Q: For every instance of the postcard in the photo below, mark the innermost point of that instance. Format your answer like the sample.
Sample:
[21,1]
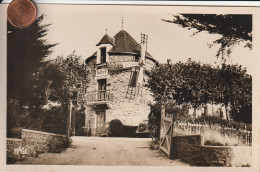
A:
[130,87]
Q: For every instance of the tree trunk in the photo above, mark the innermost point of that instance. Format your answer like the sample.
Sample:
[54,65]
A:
[227,113]
[73,130]
[195,113]
[206,110]
[68,128]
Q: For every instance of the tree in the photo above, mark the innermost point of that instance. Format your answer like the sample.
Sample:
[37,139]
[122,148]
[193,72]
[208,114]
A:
[75,83]
[235,90]
[59,86]
[26,51]
[198,84]
[234,29]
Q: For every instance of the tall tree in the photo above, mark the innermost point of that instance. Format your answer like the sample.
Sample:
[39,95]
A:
[26,50]
[234,29]
[235,90]
[75,83]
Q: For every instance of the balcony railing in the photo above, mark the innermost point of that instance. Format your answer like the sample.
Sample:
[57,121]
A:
[99,97]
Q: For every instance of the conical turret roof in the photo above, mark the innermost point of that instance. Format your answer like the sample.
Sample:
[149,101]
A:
[123,43]
[106,39]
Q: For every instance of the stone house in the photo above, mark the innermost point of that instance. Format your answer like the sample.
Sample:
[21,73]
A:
[119,69]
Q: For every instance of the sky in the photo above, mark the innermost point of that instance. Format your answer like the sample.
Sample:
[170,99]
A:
[80,28]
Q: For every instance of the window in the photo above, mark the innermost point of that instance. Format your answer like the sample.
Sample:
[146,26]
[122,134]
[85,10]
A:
[103,55]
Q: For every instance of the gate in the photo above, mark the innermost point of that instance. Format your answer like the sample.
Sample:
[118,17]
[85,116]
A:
[166,130]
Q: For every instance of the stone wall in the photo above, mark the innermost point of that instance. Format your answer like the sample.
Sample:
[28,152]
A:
[191,149]
[32,143]
[42,141]
[12,147]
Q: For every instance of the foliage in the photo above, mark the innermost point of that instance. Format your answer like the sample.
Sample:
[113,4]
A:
[76,77]
[233,28]
[212,120]
[215,138]
[26,51]
[235,90]
[197,84]
[78,121]
[116,128]
[60,80]
[154,118]
[54,83]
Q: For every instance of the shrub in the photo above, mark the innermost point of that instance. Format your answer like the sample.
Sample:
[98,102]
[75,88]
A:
[214,137]
[179,113]
[116,128]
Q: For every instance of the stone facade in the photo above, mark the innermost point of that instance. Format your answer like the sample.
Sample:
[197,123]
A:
[129,111]
[217,110]
[32,143]
[191,149]
[109,95]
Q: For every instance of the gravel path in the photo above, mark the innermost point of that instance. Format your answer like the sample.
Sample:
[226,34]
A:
[106,151]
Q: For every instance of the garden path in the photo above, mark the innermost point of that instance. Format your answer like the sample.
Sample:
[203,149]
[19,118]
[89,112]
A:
[106,151]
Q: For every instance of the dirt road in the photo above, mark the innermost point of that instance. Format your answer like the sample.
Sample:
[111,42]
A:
[106,151]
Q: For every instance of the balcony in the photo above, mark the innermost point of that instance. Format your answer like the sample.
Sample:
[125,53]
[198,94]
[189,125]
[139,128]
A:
[99,97]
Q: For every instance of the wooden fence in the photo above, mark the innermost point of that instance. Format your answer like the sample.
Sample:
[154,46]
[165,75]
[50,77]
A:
[243,137]
[213,134]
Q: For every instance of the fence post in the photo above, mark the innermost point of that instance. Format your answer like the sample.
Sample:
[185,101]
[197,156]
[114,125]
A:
[171,139]
[162,117]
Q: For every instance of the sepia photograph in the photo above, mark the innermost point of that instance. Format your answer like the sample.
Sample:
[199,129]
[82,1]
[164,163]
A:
[118,85]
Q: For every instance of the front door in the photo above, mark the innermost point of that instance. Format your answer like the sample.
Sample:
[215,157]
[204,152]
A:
[100,127]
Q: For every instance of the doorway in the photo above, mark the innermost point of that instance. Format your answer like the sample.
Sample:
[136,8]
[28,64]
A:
[100,122]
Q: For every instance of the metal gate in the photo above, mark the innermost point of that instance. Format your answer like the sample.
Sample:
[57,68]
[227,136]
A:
[166,130]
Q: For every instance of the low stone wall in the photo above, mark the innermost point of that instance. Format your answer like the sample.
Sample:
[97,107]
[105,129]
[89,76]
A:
[191,149]
[32,143]
[12,147]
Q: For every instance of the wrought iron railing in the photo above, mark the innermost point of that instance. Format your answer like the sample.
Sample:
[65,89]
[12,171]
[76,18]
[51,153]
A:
[99,96]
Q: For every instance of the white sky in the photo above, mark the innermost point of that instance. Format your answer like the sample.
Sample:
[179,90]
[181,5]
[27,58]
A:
[80,28]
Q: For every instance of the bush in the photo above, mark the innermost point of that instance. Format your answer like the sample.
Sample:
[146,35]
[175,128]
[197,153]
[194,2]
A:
[214,137]
[116,128]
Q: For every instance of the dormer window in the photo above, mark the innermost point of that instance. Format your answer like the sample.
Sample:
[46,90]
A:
[103,55]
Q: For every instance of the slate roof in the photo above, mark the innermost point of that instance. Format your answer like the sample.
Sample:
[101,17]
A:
[122,44]
[106,40]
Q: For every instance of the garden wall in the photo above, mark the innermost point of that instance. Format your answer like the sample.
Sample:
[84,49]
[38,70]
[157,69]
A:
[32,143]
[191,149]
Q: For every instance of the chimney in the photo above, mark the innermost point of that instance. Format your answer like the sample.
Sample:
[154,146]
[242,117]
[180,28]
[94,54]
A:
[144,39]
[142,59]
